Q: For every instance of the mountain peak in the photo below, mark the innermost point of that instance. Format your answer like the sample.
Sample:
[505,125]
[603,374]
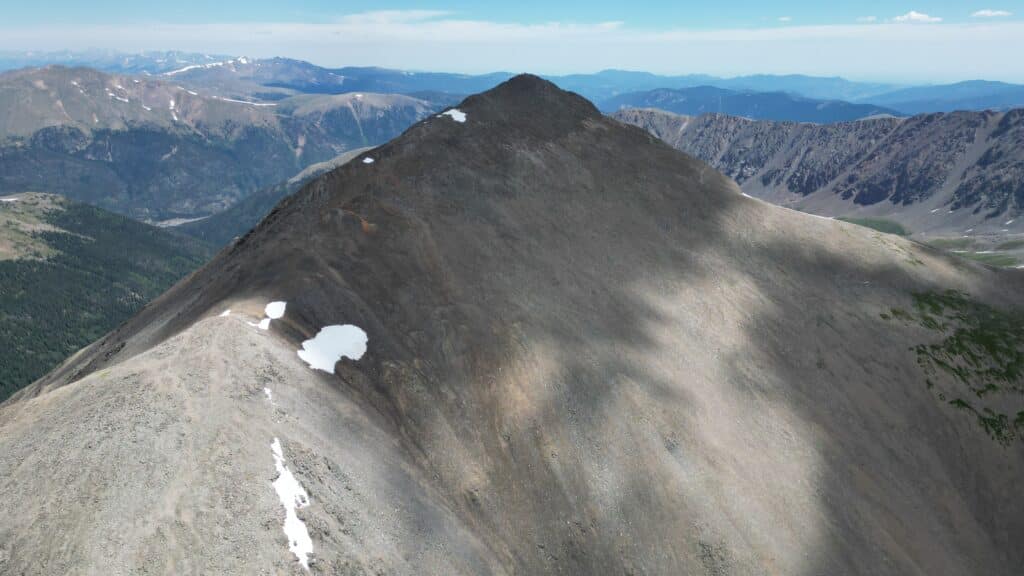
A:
[529,99]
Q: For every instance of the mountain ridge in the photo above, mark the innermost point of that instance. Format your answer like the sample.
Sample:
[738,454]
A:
[156,150]
[936,173]
[585,352]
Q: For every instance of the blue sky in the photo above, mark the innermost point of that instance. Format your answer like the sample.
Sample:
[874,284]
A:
[913,41]
[661,14]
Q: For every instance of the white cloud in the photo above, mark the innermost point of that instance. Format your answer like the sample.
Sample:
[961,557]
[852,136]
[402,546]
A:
[426,40]
[917,17]
[785,18]
[987,13]
[867,19]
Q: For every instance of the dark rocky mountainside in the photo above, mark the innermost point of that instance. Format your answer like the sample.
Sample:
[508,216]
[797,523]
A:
[755,105]
[530,339]
[154,150]
[954,173]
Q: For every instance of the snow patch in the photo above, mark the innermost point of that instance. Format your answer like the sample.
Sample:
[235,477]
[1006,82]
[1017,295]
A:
[268,394]
[222,99]
[331,344]
[9,199]
[1008,222]
[367,160]
[292,497]
[454,114]
[225,313]
[275,310]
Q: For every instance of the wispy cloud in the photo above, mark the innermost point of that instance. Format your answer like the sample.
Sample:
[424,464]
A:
[866,19]
[988,13]
[785,18]
[917,17]
[433,40]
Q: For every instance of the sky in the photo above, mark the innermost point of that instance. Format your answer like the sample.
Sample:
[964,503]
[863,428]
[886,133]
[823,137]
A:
[892,41]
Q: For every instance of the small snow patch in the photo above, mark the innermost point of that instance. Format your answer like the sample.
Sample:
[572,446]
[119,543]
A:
[1008,222]
[222,99]
[454,114]
[275,310]
[225,313]
[331,344]
[936,210]
[262,324]
[9,199]
[367,160]
[268,394]
[292,497]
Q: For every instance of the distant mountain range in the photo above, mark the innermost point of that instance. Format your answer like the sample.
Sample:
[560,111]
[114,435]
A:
[154,149]
[957,173]
[108,60]
[274,78]
[756,105]
[973,95]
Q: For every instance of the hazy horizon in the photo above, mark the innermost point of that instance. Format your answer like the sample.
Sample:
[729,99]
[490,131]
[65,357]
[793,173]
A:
[920,43]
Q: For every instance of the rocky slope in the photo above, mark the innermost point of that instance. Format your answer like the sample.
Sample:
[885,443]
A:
[957,173]
[154,150]
[545,342]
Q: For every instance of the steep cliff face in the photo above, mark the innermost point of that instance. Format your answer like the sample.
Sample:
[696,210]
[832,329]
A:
[524,338]
[935,172]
